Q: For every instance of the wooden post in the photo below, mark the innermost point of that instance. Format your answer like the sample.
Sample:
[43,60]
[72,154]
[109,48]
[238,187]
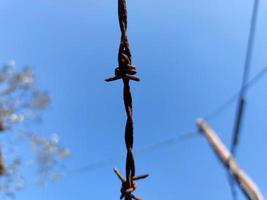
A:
[249,188]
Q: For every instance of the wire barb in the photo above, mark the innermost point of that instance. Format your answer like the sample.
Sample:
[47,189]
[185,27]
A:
[126,189]
[126,71]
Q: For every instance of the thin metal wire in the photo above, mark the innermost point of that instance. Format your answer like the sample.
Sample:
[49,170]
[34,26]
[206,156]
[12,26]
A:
[126,71]
[242,97]
[243,90]
[145,150]
[232,99]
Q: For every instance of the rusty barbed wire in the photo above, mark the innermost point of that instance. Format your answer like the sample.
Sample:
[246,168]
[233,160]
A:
[126,71]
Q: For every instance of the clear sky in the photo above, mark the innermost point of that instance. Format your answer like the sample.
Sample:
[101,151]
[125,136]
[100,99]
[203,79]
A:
[190,57]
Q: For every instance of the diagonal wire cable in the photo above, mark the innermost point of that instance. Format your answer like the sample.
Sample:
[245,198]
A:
[247,68]
[235,96]
[145,150]
[242,96]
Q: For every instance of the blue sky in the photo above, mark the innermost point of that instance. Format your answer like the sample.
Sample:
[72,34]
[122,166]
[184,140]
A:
[190,56]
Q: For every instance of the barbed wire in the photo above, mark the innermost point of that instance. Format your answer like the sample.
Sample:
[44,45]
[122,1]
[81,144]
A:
[126,71]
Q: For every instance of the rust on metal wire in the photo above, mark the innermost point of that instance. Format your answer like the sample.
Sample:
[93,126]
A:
[126,71]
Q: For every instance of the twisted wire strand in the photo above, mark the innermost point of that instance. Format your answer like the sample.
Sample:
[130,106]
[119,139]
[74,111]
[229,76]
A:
[126,72]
